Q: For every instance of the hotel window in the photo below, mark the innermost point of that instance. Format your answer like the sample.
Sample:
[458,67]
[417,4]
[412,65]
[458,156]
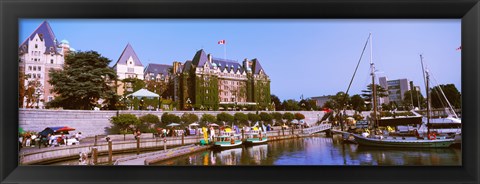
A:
[36,46]
[50,98]
[34,68]
[39,68]
[29,68]
[39,76]
[51,61]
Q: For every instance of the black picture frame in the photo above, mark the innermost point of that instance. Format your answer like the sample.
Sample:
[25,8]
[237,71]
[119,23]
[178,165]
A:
[11,11]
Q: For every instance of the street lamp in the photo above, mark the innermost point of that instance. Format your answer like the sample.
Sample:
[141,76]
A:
[234,103]
[188,102]
[38,97]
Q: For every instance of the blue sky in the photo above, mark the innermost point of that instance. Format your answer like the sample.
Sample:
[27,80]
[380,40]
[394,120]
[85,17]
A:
[312,57]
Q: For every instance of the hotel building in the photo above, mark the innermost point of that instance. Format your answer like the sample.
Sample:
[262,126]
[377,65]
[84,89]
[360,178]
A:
[39,53]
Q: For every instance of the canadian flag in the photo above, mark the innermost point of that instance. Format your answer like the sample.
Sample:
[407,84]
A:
[221,42]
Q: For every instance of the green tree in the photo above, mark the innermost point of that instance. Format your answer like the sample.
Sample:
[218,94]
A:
[85,78]
[125,123]
[278,117]
[253,117]
[276,100]
[450,91]
[241,118]
[207,118]
[189,118]
[367,94]
[299,116]
[413,96]
[357,102]
[340,100]
[150,119]
[266,117]
[225,117]
[169,118]
[288,117]
[291,105]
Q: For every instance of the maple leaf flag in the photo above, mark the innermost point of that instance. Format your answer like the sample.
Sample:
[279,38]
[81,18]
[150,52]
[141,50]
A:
[221,42]
[459,48]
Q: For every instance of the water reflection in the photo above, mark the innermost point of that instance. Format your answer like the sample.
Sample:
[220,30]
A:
[319,150]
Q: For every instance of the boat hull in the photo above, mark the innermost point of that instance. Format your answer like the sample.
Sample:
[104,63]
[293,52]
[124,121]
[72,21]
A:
[227,144]
[444,143]
[255,141]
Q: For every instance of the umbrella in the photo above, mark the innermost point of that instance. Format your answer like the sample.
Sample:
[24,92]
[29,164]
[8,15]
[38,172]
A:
[212,124]
[20,130]
[194,124]
[173,124]
[52,130]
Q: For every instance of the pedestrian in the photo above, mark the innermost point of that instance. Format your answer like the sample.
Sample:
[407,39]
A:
[78,136]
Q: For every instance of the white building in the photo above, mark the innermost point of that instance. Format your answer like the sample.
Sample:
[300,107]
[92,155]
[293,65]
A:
[128,66]
[39,53]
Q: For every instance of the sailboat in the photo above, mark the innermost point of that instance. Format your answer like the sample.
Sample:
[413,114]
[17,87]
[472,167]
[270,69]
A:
[394,141]
[450,126]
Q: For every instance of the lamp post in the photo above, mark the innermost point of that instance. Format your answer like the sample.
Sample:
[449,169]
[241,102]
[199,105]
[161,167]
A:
[188,102]
[234,103]
[38,92]
[273,106]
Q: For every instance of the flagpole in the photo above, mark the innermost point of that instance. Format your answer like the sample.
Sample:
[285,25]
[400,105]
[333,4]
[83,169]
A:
[225,51]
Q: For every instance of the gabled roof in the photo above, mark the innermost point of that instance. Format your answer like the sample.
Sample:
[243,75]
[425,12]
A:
[187,66]
[223,63]
[157,69]
[127,52]
[200,58]
[45,33]
[257,67]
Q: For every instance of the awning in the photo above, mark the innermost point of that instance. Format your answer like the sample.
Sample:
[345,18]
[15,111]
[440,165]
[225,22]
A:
[144,93]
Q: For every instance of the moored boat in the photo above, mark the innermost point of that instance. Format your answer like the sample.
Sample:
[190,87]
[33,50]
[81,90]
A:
[227,140]
[403,142]
[255,137]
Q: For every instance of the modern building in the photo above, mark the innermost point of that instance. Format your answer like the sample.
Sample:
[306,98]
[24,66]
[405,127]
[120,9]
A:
[396,89]
[39,53]
[212,83]
[127,66]
[321,100]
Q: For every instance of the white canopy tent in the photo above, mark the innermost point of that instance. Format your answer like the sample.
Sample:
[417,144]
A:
[143,93]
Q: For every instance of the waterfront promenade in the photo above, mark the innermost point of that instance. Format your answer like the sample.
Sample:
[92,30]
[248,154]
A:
[34,155]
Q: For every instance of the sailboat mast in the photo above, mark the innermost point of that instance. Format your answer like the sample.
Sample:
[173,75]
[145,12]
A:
[374,88]
[426,78]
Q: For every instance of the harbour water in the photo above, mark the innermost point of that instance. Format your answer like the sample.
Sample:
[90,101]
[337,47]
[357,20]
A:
[320,150]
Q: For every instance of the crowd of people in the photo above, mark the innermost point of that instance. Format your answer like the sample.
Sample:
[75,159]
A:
[31,140]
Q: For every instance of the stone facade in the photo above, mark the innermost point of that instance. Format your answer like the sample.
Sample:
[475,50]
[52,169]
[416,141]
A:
[92,123]
[39,53]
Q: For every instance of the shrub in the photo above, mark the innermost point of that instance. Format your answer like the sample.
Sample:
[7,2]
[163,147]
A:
[265,117]
[225,117]
[169,118]
[150,119]
[207,118]
[124,123]
[299,116]
[189,118]
[288,116]
[241,118]
[253,117]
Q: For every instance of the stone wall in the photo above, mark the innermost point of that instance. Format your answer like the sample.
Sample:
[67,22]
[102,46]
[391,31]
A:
[92,123]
